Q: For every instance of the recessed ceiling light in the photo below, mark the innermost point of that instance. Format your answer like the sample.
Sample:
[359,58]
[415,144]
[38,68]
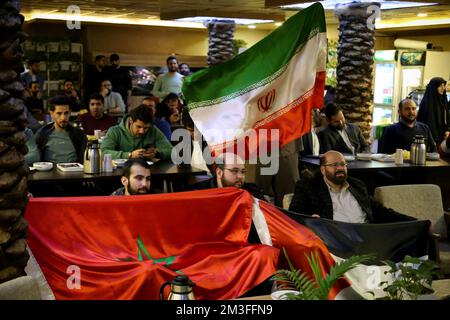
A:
[330,4]
[422,15]
[278,23]
[252,27]
[236,20]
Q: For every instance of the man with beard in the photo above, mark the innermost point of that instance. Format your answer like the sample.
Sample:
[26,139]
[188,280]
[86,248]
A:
[136,178]
[229,171]
[401,135]
[34,100]
[96,119]
[340,135]
[137,137]
[59,141]
[171,81]
[335,196]
[70,92]
[112,100]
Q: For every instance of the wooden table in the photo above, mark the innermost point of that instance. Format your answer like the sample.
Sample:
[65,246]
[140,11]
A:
[164,170]
[433,172]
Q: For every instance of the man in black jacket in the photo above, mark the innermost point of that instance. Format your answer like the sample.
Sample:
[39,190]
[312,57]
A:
[339,135]
[59,141]
[333,195]
[401,135]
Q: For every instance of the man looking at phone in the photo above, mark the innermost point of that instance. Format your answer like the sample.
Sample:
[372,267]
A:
[136,137]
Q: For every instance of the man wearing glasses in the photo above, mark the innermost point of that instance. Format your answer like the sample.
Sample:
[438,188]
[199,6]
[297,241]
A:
[229,171]
[334,195]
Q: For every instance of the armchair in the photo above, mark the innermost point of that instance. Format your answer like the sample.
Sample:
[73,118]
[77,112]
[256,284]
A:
[422,201]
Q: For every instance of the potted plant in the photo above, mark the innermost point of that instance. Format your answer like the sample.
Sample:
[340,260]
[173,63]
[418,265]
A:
[412,279]
[319,287]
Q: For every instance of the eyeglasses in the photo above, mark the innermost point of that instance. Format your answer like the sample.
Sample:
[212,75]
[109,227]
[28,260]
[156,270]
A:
[336,164]
[236,171]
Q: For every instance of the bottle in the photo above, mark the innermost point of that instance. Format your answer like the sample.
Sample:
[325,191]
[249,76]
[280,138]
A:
[418,151]
[180,289]
[92,157]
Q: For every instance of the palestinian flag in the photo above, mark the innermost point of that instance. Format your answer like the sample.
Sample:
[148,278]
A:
[388,241]
[127,247]
[272,85]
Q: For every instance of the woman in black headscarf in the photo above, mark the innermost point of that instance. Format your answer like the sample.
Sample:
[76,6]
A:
[433,109]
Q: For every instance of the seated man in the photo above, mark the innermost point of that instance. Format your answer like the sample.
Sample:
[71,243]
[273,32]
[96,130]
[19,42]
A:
[334,196]
[59,141]
[34,100]
[95,119]
[401,135]
[136,178]
[160,123]
[112,100]
[70,92]
[339,135]
[136,137]
[229,171]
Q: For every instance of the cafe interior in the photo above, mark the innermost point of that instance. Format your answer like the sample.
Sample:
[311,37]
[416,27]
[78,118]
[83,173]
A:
[99,238]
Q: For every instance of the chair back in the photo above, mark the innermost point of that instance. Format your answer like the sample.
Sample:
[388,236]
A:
[421,201]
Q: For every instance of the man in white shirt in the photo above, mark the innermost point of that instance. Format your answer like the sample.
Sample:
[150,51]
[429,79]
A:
[171,81]
[334,195]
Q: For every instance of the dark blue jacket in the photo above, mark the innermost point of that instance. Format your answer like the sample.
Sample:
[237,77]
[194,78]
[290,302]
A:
[400,136]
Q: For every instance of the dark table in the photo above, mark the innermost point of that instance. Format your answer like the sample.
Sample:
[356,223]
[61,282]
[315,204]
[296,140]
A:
[372,173]
[161,170]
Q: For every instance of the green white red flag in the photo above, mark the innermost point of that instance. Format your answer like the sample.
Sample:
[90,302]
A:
[272,85]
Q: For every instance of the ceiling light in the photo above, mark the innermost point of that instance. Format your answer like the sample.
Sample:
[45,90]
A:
[330,4]
[107,19]
[236,20]
[422,15]
[252,27]
[278,23]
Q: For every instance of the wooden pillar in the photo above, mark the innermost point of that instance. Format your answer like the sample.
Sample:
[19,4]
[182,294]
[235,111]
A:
[13,170]
[220,43]
[355,62]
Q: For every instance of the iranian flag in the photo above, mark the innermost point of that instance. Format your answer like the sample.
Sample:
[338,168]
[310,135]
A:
[273,85]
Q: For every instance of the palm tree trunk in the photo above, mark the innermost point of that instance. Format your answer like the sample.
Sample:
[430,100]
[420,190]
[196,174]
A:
[13,171]
[355,64]
[220,43]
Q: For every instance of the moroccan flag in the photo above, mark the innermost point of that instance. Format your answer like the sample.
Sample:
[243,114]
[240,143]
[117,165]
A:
[127,247]
[272,85]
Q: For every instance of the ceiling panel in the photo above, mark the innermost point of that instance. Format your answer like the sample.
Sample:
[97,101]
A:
[171,9]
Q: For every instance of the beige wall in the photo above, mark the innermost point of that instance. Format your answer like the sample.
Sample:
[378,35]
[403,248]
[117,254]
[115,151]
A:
[438,41]
[151,45]
[140,44]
